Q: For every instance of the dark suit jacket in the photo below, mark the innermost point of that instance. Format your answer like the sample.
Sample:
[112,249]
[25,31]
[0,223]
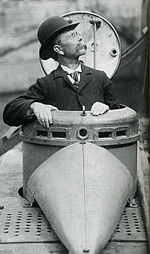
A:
[56,89]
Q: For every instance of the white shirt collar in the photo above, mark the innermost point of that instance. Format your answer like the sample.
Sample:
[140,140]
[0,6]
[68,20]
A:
[69,71]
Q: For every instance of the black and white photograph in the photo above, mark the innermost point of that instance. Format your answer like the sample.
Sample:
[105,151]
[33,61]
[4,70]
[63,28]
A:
[74,127]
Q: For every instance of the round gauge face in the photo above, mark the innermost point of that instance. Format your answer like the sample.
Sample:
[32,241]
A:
[101,38]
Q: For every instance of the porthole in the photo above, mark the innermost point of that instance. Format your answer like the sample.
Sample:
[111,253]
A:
[83,133]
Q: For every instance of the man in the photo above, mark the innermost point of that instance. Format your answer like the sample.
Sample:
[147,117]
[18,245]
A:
[62,89]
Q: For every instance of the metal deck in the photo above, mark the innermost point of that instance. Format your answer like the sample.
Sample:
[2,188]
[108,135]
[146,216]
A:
[21,224]
[25,230]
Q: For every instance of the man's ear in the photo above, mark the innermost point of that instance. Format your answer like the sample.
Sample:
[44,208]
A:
[58,49]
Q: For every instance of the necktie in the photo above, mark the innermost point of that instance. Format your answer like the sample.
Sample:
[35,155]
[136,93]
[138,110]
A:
[75,76]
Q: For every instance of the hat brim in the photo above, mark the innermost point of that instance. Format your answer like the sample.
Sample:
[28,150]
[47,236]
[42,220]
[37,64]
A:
[47,47]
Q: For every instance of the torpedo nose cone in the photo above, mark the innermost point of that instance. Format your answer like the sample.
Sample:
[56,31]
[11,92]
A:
[82,190]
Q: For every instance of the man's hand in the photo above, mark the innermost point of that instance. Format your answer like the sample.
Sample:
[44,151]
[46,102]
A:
[43,113]
[99,108]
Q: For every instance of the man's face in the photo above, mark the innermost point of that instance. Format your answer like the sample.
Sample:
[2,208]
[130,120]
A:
[72,44]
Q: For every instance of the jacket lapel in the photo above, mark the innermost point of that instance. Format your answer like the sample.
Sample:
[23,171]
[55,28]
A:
[60,73]
[86,76]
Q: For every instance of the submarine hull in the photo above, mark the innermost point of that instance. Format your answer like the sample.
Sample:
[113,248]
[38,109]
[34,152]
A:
[82,190]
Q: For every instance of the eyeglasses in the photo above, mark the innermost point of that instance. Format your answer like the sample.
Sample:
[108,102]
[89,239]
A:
[74,34]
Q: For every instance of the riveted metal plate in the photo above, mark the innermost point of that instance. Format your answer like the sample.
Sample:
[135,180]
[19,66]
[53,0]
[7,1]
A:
[20,222]
[131,226]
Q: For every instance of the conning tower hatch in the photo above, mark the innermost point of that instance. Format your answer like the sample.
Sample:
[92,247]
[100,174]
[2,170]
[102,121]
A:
[103,44]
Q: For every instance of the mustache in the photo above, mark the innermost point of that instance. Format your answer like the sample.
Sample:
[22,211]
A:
[80,46]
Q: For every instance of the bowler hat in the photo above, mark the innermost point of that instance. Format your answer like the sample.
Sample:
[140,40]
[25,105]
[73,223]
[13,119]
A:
[48,31]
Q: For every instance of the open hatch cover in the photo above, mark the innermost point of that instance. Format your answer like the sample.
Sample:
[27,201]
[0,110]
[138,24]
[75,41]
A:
[101,38]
